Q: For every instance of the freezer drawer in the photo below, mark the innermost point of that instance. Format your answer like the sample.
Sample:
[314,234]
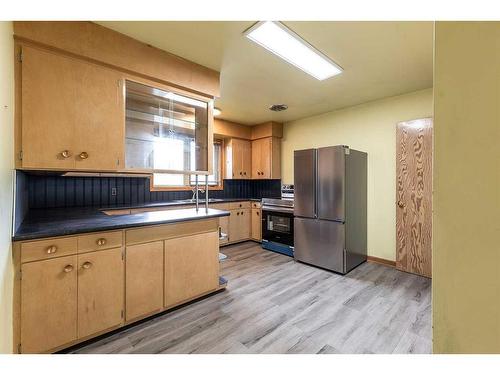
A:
[320,243]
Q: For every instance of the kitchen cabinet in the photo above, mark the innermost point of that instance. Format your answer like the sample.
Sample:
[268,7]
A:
[71,288]
[256,232]
[100,291]
[72,113]
[49,304]
[266,158]
[239,224]
[238,159]
[191,267]
[144,279]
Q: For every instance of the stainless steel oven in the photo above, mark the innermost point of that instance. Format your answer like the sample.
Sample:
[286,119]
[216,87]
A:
[277,225]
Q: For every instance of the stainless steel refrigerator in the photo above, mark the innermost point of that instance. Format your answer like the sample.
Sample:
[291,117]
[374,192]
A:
[330,207]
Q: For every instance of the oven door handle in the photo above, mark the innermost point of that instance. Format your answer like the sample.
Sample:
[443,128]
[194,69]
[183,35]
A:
[278,209]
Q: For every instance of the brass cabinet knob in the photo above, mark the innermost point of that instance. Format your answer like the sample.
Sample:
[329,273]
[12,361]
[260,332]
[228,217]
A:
[68,268]
[401,204]
[65,154]
[242,213]
[51,249]
[237,213]
[86,265]
[83,155]
[241,173]
[101,241]
[258,213]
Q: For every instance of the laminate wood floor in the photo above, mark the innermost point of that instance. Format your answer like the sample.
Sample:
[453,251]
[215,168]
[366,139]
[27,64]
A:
[275,305]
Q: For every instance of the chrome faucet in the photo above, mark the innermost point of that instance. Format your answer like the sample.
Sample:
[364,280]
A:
[202,191]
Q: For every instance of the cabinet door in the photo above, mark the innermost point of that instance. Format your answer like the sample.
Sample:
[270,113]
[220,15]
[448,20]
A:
[48,110]
[245,223]
[72,113]
[191,267]
[234,226]
[256,159]
[100,291]
[144,279]
[246,159]
[99,141]
[49,304]
[256,224]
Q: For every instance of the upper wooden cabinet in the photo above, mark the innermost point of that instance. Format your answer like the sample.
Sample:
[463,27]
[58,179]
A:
[71,113]
[266,158]
[238,159]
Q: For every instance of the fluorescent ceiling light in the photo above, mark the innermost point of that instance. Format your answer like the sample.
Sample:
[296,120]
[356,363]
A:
[277,38]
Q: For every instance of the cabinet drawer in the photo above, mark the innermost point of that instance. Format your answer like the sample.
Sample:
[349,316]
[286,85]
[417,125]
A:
[99,241]
[238,205]
[46,249]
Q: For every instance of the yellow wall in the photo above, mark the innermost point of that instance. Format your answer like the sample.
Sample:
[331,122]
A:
[6,167]
[369,127]
[466,217]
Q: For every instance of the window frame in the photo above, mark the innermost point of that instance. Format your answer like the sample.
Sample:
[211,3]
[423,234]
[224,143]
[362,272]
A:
[221,169]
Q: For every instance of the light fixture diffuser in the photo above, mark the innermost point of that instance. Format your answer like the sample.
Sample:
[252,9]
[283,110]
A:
[283,42]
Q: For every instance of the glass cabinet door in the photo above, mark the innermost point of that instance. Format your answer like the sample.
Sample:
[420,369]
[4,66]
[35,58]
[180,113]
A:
[165,131]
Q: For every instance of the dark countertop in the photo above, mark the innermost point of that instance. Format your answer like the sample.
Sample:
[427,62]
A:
[61,222]
[180,203]
[42,223]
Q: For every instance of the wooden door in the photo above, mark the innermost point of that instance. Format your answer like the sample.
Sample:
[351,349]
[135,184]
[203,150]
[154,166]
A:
[414,196]
[256,224]
[99,118]
[72,113]
[256,159]
[191,267]
[234,226]
[143,280]
[101,288]
[48,110]
[246,159]
[49,304]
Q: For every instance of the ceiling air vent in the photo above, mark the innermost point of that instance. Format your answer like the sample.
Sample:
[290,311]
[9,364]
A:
[278,107]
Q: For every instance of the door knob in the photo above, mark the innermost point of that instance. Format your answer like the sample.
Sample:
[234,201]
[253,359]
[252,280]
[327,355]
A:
[86,265]
[101,241]
[51,249]
[401,204]
[83,155]
[68,268]
[65,154]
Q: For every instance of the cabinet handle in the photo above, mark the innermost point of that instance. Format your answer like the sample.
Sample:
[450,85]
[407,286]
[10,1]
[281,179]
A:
[241,173]
[83,155]
[101,241]
[86,265]
[257,213]
[68,268]
[237,213]
[242,213]
[51,249]
[65,154]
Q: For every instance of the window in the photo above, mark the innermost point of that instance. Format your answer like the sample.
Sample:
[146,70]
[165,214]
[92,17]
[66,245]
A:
[176,152]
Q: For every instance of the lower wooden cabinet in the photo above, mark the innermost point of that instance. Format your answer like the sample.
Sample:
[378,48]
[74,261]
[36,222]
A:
[239,224]
[100,291]
[66,299]
[144,279]
[191,267]
[256,224]
[49,304]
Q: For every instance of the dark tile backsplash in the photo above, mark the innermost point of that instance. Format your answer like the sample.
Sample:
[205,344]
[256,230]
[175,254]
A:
[46,191]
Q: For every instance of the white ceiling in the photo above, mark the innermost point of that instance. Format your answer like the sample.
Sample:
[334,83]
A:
[380,59]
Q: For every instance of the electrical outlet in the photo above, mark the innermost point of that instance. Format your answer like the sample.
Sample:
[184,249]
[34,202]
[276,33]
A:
[113,191]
